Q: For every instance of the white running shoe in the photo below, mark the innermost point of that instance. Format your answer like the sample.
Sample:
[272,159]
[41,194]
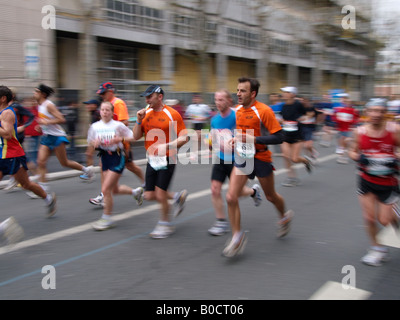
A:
[180,202]
[97,201]
[235,248]
[12,231]
[52,207]
[139,196]
[291,182]
[284,224]
[219,228]
[11,185]
[162,231]
[257,197]
[103,224]
[375,257]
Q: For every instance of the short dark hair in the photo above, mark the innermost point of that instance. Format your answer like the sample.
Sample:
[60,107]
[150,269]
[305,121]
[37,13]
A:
[254,83]
[6,91]
[46,90]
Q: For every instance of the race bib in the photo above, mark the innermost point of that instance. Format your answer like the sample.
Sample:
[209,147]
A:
[380,164]
[158,163]
[344,117]
[245,150]
[290,126]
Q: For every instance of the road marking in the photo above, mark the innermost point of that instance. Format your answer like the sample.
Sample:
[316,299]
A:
[120,217]
[335,291]
[388,237]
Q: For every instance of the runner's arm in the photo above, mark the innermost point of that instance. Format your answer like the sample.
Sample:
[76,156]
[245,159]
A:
[275,138]
[7,120]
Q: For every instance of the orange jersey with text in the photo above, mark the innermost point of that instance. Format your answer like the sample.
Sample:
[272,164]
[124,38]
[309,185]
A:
[162,127]
[262,120]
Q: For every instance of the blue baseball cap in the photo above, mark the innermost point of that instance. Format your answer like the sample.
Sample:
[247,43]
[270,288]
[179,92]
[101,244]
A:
[151,89]
[105,86]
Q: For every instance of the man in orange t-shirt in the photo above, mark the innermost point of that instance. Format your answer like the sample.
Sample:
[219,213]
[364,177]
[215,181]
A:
[157,123]
[257,127]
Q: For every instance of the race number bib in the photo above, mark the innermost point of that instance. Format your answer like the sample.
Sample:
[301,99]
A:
[344,117]
[245,150]
[158,163]
[380,164]
[290,126]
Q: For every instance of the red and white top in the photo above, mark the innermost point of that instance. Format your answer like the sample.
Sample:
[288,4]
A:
[380,153]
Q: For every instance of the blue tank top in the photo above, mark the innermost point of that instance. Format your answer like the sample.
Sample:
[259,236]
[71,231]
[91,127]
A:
[220,123]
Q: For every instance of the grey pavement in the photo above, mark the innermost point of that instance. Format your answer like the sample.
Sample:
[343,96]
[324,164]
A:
[125,263]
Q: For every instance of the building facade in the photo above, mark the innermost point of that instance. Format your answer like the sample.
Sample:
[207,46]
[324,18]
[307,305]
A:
[187,46]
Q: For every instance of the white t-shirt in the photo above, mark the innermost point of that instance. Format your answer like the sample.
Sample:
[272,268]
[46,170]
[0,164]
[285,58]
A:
[106,131]
[199,113]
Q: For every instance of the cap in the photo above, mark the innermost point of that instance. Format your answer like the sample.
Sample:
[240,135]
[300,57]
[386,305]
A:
[289,89]
[92,101]
[45,89]
[151,89]
[376,102]
[105,86]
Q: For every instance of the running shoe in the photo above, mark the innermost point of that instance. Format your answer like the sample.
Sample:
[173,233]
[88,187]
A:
[308,164]
[139,196]
[180,203]
[52,207]
[257,196]
[235,248]
[11,185]
[12,231]
[98,201]
[162,231]
[103,224]
[219,228]
[284,224]
[291,182]
[89,176]
[375,257]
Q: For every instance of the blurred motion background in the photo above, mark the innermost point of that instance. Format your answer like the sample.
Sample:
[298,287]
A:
[197,46]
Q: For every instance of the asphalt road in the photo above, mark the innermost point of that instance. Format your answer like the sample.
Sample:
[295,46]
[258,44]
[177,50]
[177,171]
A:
[315,261]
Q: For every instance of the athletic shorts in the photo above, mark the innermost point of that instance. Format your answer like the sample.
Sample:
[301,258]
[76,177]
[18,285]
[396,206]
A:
[292,137]
[255,168]
[53,142]
[307,133]
[159,178]
[221,171]
[114,162]
[385,194]
[11,166]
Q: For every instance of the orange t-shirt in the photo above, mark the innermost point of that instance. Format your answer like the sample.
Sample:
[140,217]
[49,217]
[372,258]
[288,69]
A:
[262,120]
[158,126]
[120,109]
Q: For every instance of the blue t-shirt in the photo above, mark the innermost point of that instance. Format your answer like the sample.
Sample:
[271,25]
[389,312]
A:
[276,108]
[220,126]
